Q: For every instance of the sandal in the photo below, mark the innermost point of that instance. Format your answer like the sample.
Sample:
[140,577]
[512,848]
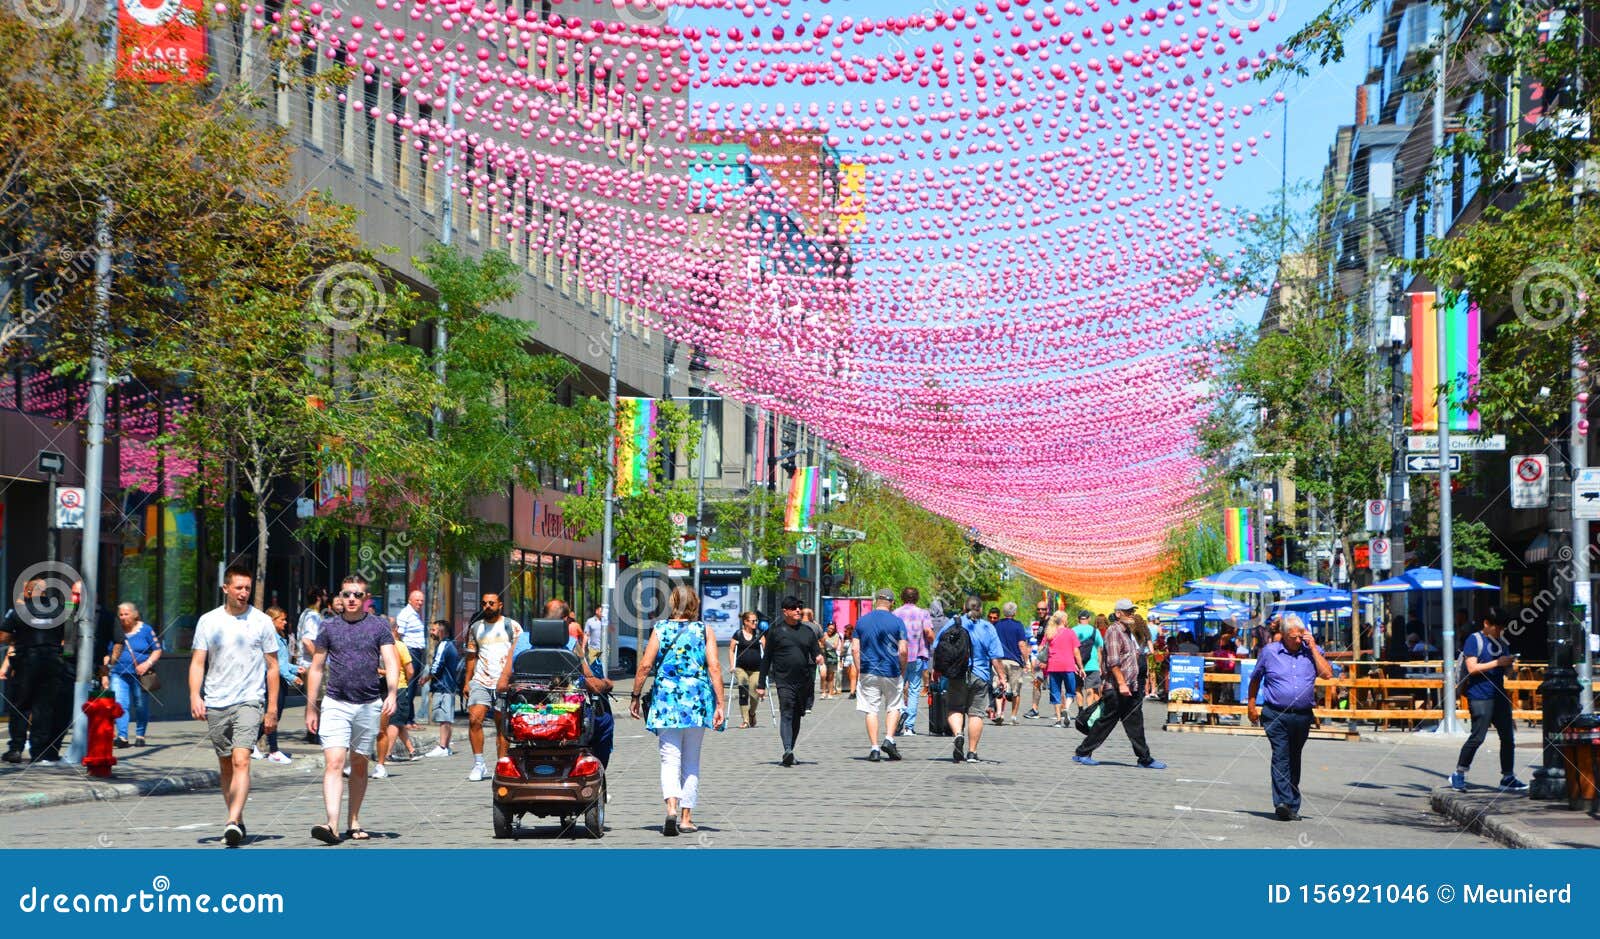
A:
[744,725]
[358,834]
[688,828]
[669,828]
[324,834]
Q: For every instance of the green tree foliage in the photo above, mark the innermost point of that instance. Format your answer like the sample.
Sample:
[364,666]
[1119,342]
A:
[644,529]
[501,420]
[906,545]
[1192,551]
[1473,548]
[753,525]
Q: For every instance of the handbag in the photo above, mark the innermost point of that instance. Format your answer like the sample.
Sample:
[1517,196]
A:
[649,696]
[149,681]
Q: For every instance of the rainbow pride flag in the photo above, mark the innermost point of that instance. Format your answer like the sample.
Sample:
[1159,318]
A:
[1238,536]
[801,512]
[1460,341]
[636,431]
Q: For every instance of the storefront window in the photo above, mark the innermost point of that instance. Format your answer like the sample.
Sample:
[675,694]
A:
[160,558]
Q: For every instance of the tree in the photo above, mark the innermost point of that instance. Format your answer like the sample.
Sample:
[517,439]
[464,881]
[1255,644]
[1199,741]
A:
[1192,551]
[906,545]
[754,523]
[500,421]
[644,529]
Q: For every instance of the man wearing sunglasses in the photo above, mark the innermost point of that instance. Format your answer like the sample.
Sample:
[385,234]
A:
[489,644]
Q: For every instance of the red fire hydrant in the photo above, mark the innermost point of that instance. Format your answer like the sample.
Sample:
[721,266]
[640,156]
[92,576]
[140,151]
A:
[103,711]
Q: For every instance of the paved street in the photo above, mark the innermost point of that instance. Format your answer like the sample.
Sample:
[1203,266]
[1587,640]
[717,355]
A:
[1370,794]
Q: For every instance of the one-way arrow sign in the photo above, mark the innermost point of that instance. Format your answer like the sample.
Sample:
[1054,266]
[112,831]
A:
[1429,462]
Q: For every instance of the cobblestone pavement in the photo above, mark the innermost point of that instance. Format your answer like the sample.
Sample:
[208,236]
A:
[1028,793]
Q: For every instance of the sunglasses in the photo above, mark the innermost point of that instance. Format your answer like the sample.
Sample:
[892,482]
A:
[352,594]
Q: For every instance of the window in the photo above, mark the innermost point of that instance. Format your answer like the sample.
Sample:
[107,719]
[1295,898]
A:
[399,169]
[371,155]
[430,181]
[315,129]
[345,111]
[711,445]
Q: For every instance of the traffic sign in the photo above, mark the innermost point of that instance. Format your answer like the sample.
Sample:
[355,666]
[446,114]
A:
[1458,442]
[1586,495]
[841,533]
[69,507]
[1530,481]
[1429,463]
[1377,515]
[807,545]
[52,463]
[1378,554]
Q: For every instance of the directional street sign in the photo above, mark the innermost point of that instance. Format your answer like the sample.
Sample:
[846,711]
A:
[1459,443]
[52,463]
[1586,495]
[841,533]
[1530,481]
[1429,463]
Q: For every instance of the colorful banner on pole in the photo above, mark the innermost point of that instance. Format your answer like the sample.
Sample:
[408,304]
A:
[802,510]
[1238,535]
[1460,343]
[636,432]
[161,41]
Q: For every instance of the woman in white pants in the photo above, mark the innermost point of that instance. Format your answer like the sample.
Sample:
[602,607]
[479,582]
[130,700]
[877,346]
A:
[686,698]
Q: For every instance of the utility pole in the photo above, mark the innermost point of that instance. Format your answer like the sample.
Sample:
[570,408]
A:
[95,449]
[441,334]
[1441,227]
[608,562]
[816,560]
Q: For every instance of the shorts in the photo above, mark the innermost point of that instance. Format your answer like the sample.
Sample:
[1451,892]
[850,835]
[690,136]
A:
[347,726]
[1015,675]
[968,696]
[1063,685]
[481,696]
[403,708]
[443,707]
[1091,681]
[234,727]
[876,693]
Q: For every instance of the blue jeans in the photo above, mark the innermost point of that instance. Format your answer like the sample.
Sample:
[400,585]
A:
[135,703]
[1287,730]
[914,670]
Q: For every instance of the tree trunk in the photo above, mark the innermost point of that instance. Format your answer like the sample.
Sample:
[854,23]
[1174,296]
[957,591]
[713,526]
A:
[261,548]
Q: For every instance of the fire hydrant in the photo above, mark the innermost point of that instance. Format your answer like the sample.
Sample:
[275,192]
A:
[103,711]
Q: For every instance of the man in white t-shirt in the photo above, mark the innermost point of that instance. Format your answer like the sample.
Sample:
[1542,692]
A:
[414,635]
[489,644]
[235,650]
[594,632]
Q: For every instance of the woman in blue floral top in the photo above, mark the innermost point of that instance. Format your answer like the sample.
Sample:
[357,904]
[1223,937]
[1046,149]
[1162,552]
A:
[686,698]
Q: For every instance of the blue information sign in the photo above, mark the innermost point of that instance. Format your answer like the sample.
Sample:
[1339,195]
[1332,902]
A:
[1187,671]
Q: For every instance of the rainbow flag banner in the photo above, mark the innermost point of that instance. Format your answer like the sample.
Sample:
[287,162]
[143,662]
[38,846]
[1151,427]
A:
[636,431]
[802,509]
[1238,536]
[1460,343]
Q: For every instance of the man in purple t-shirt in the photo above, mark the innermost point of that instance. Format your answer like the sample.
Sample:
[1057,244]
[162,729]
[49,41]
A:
[354,653]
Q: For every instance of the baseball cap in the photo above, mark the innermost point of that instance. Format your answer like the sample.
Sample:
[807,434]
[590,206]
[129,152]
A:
[1124,604]
[1083,614]
[884,594]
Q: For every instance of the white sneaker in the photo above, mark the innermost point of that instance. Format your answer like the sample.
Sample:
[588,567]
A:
[347,771]
[256,754]
[279,757]
[378,771]
[437,752]
[479,773]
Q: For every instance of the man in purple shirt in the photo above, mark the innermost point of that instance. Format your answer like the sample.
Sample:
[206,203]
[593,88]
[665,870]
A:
[355,655]
[919,633]
[1289,670]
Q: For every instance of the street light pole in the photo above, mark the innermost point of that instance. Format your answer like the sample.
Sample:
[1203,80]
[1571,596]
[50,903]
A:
[608,560]
[1441,226]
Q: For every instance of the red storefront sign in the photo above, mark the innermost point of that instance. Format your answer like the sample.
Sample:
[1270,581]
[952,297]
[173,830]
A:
[161,40]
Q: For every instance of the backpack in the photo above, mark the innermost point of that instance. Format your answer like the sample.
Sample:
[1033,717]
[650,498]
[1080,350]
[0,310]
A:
[952,657]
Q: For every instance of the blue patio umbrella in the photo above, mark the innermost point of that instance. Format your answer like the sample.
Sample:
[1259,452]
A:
[1423,578]
[1198,601]
[1318,600]
[1254,577]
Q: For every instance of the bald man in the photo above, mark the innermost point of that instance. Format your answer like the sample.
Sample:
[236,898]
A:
[414,636]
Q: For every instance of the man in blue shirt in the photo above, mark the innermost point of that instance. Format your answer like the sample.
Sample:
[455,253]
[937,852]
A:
[1289,670]
[444,680]
[879,645]
[1014,655]
[1485,658]
[967,695]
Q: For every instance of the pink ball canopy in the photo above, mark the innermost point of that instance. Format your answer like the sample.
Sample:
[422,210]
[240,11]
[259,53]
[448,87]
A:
[968,245]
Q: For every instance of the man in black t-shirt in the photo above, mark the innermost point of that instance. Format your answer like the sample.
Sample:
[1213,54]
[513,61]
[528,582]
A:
[789,664]
[37,673]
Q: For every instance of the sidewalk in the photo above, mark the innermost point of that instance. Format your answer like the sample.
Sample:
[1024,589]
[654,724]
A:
[177,760]
[1518,821]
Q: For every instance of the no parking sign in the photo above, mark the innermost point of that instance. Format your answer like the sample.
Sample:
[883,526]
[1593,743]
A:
[1530,481]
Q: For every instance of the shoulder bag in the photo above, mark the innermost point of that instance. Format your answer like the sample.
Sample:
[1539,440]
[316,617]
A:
[149,681]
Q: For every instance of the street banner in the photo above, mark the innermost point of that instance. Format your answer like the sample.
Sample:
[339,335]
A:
[636,432]
[1460,343]
[1238,536]
[1530,481]
[1377,515]
[800,514]
[161,41]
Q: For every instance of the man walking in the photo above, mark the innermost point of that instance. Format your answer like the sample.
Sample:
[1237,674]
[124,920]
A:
[444,679]
[235,652]
[1289,670]
[354,652]
[967,656]
[1123,697]
[880,648]
[1089,643]
[1486,656]
[414,636]
[787,666]
[39,687]
[594,632]
[489,644]
[1041,618]
[1016,656]
[919,636]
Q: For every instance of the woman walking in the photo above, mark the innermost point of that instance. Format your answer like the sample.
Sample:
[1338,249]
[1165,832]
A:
[289,676]
[133,655]
[830,661]
[1063,663]
[847,660]
[685,699]
[744,661]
